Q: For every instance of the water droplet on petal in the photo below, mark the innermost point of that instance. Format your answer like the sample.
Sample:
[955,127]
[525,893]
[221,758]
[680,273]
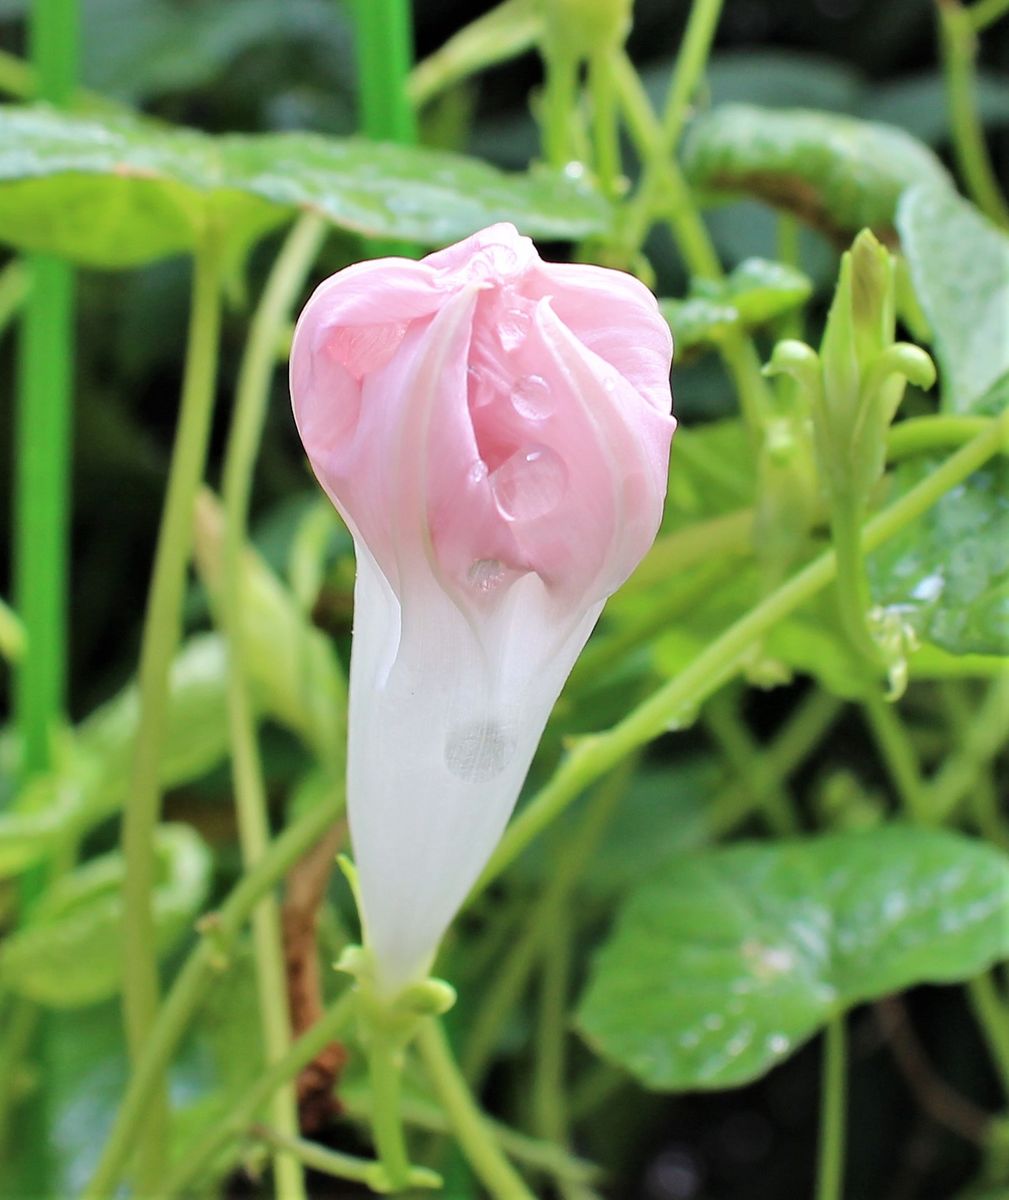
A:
[532,399]
[478,751]
[485,574]
[478,471]
[530,484]
[513,328]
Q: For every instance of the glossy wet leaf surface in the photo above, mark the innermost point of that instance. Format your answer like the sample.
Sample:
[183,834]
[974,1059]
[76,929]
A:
[119,192]
[834,172]
[947,574]
[724,962]
[755,292]
[69,952]
[960,269]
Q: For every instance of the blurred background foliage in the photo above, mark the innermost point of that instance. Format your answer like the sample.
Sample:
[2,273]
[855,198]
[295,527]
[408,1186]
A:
[259,65]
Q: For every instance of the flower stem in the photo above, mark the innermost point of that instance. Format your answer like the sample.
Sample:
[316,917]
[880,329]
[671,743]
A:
[594,755]
[560,104]
[919,435]
[385,1072]
[162,629]
[201,967]
[833,1099]
[958,42]
[468,1123]
[258,364]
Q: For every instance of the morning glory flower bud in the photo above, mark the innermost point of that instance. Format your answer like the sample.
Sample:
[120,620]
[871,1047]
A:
[495,431]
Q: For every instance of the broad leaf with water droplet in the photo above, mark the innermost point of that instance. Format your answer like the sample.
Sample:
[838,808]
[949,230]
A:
[724,962]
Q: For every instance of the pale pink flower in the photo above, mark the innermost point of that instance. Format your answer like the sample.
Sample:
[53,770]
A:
[495,431]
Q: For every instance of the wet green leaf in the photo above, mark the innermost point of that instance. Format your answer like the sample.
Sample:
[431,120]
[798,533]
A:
[947,573]
[960,269]
[726,961]
[120,192]
[757,291]
[69,951]
[837,173]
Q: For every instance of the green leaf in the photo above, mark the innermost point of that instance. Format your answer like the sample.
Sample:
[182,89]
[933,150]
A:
[960,269]
[119,192]
[69,952]
[947,573]
[837,173]
[726,961]
[757,291]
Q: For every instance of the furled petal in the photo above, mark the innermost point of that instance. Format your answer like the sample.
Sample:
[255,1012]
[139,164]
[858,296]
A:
[495,431]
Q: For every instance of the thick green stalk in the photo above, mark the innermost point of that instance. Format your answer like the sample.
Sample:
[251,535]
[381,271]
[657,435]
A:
[384,45]
[470,1126]
[833,1103]
[162,630]
[385,1073]
[190,986]
[42,433]
[594,755]
[605,131]
[958,42]
[258,364]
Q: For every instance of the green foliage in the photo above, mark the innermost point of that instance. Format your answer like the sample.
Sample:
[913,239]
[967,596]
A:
[960,267]
[119,192]
[755,292]
[726,961]
[948,574]
[834,172]
[69,951]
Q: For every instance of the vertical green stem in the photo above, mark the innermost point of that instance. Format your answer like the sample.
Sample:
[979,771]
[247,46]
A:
[258,364]
[385,1073]
[833,1104]
[162,629]
[605,131]
[468,1123]
[958,42]
[992,1013]
[42,446]
[560,104]
[384,45]
[899,755]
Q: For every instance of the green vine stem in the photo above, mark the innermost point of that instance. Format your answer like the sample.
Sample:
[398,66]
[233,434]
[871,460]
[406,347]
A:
[605,130]
[162,630]
[42,438]
[958,43]
[670,195]
[983,740]
[549,1086]
[342,1166]
[258,364]
[471,1128]
[833,1103]
[204,964]
[987,12]
[992,1013]
[594,755]
[501,998]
